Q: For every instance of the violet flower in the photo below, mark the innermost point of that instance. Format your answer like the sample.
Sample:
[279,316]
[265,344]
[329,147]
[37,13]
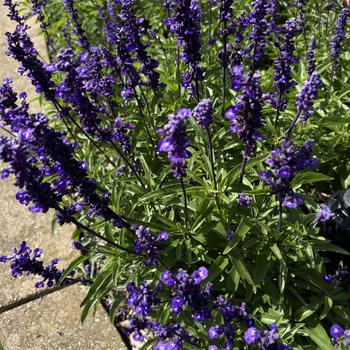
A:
[310,57]
[203,113]
[283,80]
[284,163]
[133,28]
[246,116]
[339,35]
[305,99]
[26,261]
[185,24]
[175,142]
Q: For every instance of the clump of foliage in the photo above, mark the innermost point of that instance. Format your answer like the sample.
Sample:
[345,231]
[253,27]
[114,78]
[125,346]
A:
[187,141]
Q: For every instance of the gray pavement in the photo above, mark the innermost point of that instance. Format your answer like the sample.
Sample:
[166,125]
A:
[52,323]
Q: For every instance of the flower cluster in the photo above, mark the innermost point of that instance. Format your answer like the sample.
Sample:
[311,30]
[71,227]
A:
[22,49]
[246,116]
[305,99]
[203,113]
[133,29]
[118,37]
[26,261]
[185,24]
[310,57]
[339,34]
[324,214]
[147,244]
[244,201]
[41,151]
[176,143]
[339,335]
[142,299]
[171,335]
[82,39]
[283,65]
[284,163]
[186,292]
[340,275]
[260,29]
[266,340]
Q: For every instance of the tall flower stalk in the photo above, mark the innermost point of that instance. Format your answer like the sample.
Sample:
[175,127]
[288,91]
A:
[185,24]
[175,143]
[225,15]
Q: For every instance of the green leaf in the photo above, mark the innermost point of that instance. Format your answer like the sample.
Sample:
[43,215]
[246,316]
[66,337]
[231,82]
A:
[324,246]
[262,266]
[241,268]
[87,309]
[162,192]
[76,262]
[309,177]
[319,336]
[102,280]
[241,231]
[216,268]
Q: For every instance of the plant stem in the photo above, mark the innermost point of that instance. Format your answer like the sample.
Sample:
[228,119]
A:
[185,201]
[292,125]
[97,235]
[209,29]
[243,166]
[224,75]
[8,131]
[211,159]
[178,71]
[280,215]
[35,296]
[278,108]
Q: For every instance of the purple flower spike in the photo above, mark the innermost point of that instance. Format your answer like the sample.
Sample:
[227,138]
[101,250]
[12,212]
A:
[284,163]
[336,331]
[339,34]
[324,214]
[203,113]
[200,275]
[244,201]
[185,24]
[252,335]
[26,261]
[305,99]
[176,142]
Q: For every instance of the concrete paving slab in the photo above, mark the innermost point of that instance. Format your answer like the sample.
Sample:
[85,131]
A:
[52,323]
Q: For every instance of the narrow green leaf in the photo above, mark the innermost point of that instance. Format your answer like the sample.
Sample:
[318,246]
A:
[309,177]
[319,336]
[216,268]
[241,231]
[76,262]
[241,268]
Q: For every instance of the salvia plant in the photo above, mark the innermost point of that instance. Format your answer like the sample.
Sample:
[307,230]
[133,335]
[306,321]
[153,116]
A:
[193,144]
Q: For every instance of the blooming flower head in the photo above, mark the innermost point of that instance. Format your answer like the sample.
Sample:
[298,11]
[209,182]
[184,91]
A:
[214,332]
[305,99]
[176,142]
[26,261]
[339,34]
[244,201]
[252,335]
[284,163]
[324,214]
[336,331]
[185,24]
[246,116]
[203,113]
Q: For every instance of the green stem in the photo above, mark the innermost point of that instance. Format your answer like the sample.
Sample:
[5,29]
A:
[185,201]
[35,296]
